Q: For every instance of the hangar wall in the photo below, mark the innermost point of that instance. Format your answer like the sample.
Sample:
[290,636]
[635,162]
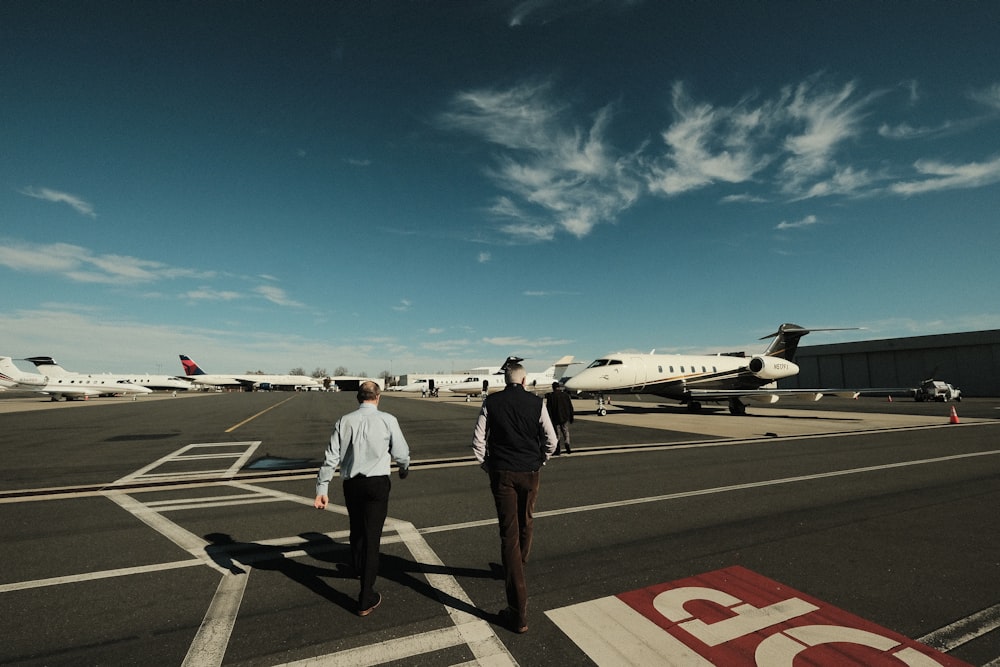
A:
[969,361]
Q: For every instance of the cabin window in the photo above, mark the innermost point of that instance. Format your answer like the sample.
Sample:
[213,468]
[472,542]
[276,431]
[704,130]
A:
[682,369]
[659,369]
[703,369]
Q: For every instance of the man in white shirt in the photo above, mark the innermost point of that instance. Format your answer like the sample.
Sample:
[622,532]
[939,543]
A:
[364,443]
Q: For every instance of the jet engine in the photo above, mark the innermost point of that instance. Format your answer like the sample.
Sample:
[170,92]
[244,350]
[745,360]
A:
[772,368]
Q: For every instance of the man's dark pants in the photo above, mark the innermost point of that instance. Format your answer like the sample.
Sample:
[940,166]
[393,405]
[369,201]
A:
[514,494]
[367,500]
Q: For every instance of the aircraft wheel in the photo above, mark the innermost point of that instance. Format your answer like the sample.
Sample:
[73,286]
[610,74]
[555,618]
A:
[601,412]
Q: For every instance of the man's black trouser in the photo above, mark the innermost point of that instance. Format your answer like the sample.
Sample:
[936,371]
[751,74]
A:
[367,500]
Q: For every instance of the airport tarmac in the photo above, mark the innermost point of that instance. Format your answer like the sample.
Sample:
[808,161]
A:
[179,530]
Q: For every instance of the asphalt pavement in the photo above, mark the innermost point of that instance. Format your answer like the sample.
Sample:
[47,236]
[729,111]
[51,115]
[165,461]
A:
[180,530]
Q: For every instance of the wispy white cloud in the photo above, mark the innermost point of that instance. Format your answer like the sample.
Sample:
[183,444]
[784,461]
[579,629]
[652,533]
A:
[706,144]
[990,96]
[562,176]
[208,294]
[47,194]
[556,174]
[542,12]
[276,295]
[403,305]
[484,257]
[83,265]
[943,176]
[518,342]
[807,221]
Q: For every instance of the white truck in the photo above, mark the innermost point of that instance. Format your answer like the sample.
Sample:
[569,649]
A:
[935,390]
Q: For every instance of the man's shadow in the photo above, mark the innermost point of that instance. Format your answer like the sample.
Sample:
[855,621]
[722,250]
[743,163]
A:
[404,572]
[232,555]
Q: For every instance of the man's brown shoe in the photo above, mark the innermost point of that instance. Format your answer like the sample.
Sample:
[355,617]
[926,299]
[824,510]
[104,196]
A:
[508,618]
[378,601]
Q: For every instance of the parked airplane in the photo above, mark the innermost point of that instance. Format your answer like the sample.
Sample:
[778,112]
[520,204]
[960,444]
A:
[692,379]
[428,382]
[536,382]
[249,381]
[69,386]
[48,366]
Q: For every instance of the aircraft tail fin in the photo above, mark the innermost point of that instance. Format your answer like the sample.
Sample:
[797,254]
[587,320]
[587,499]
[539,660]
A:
[787,337]
[47,366]
[510,361]
[190,368]
[562,366]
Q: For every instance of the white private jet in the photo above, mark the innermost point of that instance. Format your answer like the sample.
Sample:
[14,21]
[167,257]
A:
[48,366]
[534,382]
[428,382]
[249,381]
[69,386]
[692,379]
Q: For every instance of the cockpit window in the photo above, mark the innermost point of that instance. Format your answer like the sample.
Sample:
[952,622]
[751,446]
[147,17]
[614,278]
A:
[598,363]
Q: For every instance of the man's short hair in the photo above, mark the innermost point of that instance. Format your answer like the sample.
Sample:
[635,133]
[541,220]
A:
[368,391]
[514,374]
[555,385]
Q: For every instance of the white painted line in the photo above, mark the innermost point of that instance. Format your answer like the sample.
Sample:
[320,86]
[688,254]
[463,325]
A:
[378,654]
[103,574]
[964,630]
[210,643]
[612,633]
[241,451]
[477,633]
[718,489]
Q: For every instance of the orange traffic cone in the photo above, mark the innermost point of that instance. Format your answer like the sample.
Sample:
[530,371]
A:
[954,416]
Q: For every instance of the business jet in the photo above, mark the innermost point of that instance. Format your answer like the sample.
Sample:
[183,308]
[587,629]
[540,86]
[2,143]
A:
[428,382]
[70,386]
[48,366]
[692,379]
[534,382]
[249,381]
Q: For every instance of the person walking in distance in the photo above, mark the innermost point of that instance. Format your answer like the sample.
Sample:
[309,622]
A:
[512,440]
[560,409]
[363,442]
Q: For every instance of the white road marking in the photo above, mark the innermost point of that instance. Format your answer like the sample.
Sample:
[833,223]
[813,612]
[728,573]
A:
[612,633]
[210,643]
[102,574]
[238,457]
[212,639]
[964,630]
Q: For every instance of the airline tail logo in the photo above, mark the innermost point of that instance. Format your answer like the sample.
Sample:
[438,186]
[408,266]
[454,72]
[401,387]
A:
[190,368]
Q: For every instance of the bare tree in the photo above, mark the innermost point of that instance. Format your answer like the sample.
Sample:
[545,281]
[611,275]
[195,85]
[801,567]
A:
[340,370]
[319,373]
[297,371]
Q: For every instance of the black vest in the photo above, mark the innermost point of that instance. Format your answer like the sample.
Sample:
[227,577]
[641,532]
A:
[514,436]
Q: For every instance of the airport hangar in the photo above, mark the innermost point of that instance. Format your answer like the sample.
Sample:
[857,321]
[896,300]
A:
[969,361]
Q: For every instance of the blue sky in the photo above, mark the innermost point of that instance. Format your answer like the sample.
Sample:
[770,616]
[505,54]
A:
[425,186]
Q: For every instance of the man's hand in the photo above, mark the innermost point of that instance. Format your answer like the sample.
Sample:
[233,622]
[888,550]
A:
[321,502]
[404,472]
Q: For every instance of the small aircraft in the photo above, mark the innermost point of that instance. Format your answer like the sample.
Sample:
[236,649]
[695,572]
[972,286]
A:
[48,366]
[249,381]
[534,382]
[692,379]
[69,386]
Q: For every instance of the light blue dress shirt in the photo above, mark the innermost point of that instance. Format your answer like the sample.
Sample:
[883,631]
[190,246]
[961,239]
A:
[363,442]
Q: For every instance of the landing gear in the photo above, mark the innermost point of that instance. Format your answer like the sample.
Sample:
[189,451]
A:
[694,406]
[601,410]
[737,407]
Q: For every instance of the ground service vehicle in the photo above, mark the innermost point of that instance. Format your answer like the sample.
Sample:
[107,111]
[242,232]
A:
[935,390]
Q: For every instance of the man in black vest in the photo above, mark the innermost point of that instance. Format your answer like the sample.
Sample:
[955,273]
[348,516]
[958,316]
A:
[513,439]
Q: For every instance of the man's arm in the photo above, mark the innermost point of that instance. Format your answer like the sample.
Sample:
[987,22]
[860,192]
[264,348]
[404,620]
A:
[479,437]
[399,449]
[551,439]
[326,471]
